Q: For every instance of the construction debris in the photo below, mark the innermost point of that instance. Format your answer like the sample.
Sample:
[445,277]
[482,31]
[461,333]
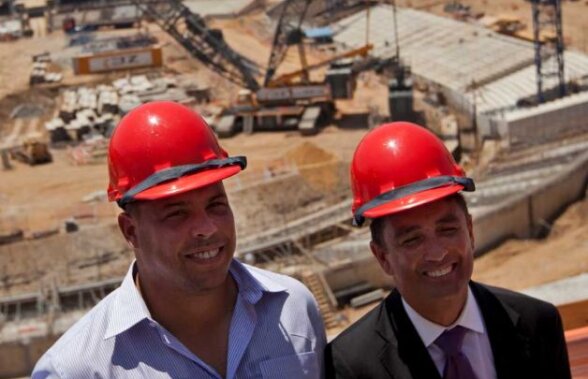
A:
[91,151]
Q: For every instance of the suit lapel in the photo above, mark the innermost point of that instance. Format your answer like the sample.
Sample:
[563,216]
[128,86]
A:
[403,354]
[510,347]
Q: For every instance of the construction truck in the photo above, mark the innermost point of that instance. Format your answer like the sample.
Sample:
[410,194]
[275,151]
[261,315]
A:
[33,151]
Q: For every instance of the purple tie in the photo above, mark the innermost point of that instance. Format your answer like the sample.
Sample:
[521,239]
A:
[457,365]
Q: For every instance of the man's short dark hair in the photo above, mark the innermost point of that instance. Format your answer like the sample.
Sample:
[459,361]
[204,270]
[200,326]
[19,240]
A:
[377,224]
[131,208]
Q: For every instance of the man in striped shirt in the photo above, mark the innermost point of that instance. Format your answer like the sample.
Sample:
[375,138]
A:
[186,308]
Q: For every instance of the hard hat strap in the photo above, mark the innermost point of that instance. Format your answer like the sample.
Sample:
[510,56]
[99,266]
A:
[177,172]
[420,186]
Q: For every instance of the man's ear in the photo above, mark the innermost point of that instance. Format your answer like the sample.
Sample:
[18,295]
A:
[126,224]
[380,254]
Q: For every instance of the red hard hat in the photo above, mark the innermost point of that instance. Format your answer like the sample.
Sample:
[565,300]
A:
[162,149]
[398,166]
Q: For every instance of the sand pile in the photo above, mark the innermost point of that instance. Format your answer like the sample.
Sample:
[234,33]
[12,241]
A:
[322,170]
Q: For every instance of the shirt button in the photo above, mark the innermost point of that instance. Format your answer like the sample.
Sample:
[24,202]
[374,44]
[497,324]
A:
[165,339]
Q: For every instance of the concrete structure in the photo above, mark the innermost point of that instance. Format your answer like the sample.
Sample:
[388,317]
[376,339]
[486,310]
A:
[36,320]
[524,209]
[565,291]
[352,265]
[548,121]
[219,9]
[570,295]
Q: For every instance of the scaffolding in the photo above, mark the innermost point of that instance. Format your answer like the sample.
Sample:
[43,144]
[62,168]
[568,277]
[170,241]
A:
[548,40]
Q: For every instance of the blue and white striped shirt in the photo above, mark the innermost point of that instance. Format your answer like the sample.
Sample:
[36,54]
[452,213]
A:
[276,332]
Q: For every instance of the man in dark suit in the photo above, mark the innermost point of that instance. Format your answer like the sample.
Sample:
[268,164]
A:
[437,323]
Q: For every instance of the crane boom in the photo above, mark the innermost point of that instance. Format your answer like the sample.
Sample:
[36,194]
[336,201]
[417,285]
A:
[288,32]
[286,79]
[207,45]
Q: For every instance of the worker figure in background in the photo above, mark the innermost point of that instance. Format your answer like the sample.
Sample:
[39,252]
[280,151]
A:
[437,322]
[186,308]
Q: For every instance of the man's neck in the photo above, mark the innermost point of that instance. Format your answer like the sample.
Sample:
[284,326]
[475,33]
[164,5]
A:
[201,322]
[443,311]
[178,309]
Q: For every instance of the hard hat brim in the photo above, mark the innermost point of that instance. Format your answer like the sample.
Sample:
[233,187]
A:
[187,183]
[412,201]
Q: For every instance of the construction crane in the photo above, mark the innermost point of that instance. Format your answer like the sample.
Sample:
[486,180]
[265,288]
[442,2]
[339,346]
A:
[277,104]
[205,44]
[288,32]
[287,79]
[547,20]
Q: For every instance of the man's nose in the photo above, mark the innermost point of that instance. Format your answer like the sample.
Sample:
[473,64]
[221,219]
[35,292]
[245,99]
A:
[202,225]
[435,251]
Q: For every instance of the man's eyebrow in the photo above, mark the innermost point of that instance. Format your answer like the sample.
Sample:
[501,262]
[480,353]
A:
[171,204]
[407,229]
[448,218]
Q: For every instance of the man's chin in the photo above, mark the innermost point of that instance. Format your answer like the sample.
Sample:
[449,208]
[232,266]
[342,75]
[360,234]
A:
[211,282]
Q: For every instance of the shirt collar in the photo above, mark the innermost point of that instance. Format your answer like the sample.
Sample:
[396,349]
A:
[252,282]
[129,308]
[470,318]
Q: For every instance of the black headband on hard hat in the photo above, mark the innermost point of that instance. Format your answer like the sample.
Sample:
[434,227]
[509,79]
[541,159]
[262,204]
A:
[177,172]
[423,185]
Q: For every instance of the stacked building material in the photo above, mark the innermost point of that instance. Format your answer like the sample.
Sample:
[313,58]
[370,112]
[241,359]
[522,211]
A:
[91,111]
[83,112]
[43,71]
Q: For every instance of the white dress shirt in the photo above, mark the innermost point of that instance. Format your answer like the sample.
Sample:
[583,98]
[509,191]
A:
[276,332]
[476,345]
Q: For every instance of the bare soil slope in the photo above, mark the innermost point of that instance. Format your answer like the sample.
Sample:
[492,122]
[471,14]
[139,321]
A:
[522,264]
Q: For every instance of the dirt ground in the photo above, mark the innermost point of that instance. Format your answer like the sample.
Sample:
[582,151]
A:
[42,197]
[522,264]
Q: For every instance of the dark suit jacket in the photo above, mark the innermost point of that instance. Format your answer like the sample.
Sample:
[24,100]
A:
[526,337]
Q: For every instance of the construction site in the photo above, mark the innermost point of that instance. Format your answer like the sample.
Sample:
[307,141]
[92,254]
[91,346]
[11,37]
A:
[293,85]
